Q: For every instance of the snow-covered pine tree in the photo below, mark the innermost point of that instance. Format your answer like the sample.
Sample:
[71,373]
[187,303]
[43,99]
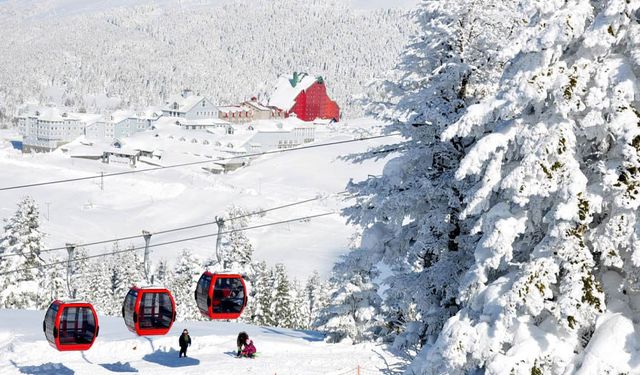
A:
[99,291]
[161,272]
[353,312]
[282,304]
[259,301]
[21,244]
[300,307]
[316,293]
[182,283]
[80,275]
[127,271]
[236,249]
[56,285]
[555,156]
[414,241]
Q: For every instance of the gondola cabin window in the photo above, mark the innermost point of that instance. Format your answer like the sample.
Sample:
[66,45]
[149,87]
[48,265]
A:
[77,326]
[202,293]
[156,311]
[221,296]
[50,321]
[129,309]
[228,296]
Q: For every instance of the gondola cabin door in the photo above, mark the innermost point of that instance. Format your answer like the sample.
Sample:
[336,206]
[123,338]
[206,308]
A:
[149,311]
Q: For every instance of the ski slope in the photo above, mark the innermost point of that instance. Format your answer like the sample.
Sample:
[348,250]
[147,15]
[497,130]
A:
[81,212]
[24,350]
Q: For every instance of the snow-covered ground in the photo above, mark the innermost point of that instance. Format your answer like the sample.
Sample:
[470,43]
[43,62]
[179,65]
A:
[81,212]
[23,349]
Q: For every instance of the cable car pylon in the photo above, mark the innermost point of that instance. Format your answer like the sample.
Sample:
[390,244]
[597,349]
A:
[70,324]
[221,295]
[148,310]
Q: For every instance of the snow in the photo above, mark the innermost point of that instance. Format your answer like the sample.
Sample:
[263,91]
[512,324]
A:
[24,349]
[284,94]
[82,212]
[185,104]
[52,115]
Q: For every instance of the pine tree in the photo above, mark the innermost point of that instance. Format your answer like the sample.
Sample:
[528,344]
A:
[237,250]
[80,274]
[21,244]
[99,291]
[127,270]
[300,307]
[413,235]
[182,283]
[56,285]
[316,297]
[553,157]
[258,303]
[354,312]
[282,303]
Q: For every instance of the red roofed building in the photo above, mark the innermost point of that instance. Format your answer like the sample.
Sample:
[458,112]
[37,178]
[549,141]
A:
[305,96]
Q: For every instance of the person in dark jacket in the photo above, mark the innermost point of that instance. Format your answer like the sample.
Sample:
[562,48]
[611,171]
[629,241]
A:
[242,338]
[185,342]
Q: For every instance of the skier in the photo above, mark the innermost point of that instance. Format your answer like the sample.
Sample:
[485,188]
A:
[185,342]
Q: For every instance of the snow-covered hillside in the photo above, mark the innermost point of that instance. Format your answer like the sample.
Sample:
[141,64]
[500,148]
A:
[24,350]
[82,212]
[80,54]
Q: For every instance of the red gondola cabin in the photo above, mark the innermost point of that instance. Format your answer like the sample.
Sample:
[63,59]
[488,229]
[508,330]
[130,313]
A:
[149,311]
[71,325]
[221,295]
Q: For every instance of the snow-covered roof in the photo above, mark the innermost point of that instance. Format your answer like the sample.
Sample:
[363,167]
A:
[150,113]
[233,108]
[122,151]
[284,125]
[204,122]
[51,114]
[288,88]
[121,115]
[87,118]
[258,106]
[184,104]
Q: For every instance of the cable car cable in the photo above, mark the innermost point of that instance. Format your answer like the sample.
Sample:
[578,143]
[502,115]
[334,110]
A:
[253,213]
[66,262]
[102,175]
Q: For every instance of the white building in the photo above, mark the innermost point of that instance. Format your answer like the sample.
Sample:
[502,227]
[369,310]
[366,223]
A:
[203,124]
[48,128]
[189,106]
[272,135]
[121,124]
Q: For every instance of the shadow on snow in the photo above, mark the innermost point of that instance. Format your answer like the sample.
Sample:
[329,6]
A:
[119,367]
[311,336]
[45,369]
[170,359]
